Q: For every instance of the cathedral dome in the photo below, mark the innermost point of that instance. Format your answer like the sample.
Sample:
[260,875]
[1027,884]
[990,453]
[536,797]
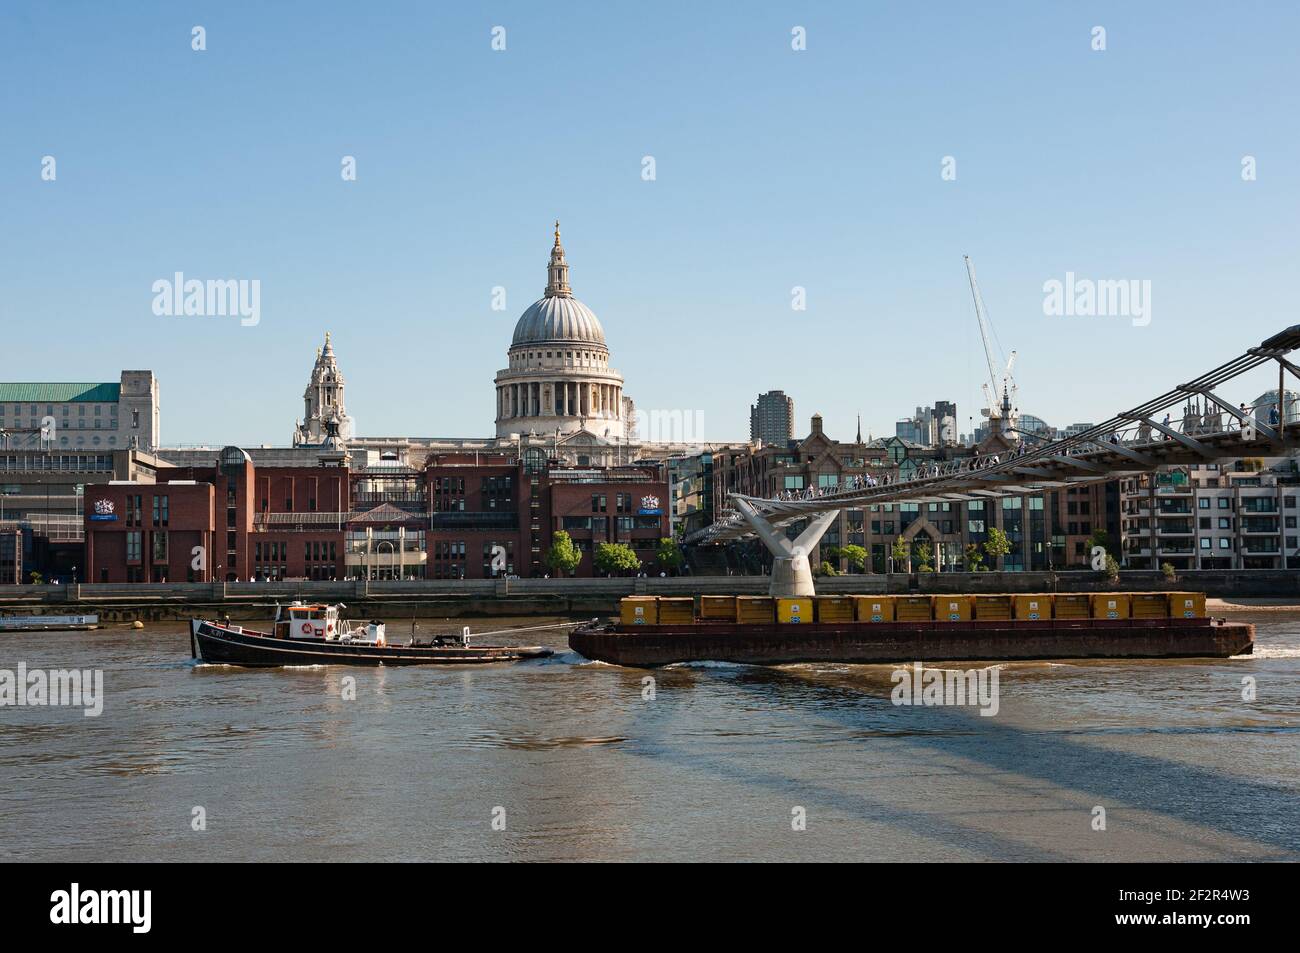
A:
[558,319]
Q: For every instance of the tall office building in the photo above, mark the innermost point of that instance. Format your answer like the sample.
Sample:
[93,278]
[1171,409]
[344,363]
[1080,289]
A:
[771,420]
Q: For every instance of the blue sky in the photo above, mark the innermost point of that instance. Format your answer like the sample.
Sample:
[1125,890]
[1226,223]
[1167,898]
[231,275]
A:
[775,169]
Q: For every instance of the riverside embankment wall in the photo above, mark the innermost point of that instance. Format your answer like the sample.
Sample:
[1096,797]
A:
[573,597]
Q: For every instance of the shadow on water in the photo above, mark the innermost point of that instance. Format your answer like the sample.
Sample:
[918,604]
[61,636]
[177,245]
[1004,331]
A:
[1256,812]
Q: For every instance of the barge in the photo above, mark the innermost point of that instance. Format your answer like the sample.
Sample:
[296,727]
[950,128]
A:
[315,635]
[901,629]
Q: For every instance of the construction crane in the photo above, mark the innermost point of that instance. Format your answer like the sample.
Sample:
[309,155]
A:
[1005,410]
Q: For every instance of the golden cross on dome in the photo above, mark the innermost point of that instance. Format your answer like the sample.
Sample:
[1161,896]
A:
[557,231]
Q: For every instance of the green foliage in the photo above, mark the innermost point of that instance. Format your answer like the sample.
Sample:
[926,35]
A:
[901,553]
[564,555]
[1112,569]
[615,557]
[1169,571]
[1101,538]
[923,557]
[997,545]
[974,560]
[37,579]
[827,569]
[668,555]
[856,555]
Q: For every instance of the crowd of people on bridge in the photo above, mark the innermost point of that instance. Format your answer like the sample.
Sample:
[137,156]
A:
[1192,423]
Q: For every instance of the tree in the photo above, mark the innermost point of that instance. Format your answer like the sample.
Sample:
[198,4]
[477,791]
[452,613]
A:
[1112,569]
[902,554]
[826,569]
[564,555]
[615,557]
[996,546]
[923,556]
[1100,538]
[37,579]
[856,556]
[668,555]
[974,561]
[1171,575]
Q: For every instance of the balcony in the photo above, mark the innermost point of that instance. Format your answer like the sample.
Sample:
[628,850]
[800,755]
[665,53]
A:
[1177,528]
[1259,526]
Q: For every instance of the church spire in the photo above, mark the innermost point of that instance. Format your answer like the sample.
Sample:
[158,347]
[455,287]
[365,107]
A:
[557,272]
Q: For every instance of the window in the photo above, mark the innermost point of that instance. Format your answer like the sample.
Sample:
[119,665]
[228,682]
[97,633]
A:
[1205,542]
[1224,503]
[1225,543]
[160,546]
[1203,503]
[133,545]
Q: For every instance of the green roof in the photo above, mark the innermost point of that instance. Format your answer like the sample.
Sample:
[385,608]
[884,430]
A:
[59,393]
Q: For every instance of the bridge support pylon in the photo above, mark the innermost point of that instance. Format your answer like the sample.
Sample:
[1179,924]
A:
[791,574]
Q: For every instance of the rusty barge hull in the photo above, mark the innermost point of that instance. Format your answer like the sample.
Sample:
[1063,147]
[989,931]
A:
[902,642]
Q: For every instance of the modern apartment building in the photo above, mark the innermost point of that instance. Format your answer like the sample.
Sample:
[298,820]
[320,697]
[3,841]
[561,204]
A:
[1235,515]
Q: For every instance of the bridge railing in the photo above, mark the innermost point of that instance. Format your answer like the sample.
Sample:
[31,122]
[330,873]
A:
[1202,417]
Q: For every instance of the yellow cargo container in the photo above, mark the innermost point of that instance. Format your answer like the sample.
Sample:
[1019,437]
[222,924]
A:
[1187,605]
[953,608]
[912,608]
[1033,607]
[638,610]
[1075,605]
[755,609]
[674,610]
[794,611]
[1150,605]
[873,608]
[719,608]
[992,608]
[1110,605]
[834,608]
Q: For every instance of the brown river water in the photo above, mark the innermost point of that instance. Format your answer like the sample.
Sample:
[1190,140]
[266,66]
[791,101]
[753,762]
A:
[581,761]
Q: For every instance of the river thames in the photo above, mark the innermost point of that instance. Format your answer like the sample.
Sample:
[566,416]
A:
[585,761]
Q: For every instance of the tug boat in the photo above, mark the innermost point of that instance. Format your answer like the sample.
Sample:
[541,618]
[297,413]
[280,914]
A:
[313,634]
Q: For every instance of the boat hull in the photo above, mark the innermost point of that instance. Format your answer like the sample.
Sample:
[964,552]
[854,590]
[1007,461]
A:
[219,644]
[903,642]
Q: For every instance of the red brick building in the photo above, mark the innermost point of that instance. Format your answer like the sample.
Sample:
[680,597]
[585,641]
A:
[235,520]
[228,522]
[478,501]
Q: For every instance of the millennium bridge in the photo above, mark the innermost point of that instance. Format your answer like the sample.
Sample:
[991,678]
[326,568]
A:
[1135,441]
